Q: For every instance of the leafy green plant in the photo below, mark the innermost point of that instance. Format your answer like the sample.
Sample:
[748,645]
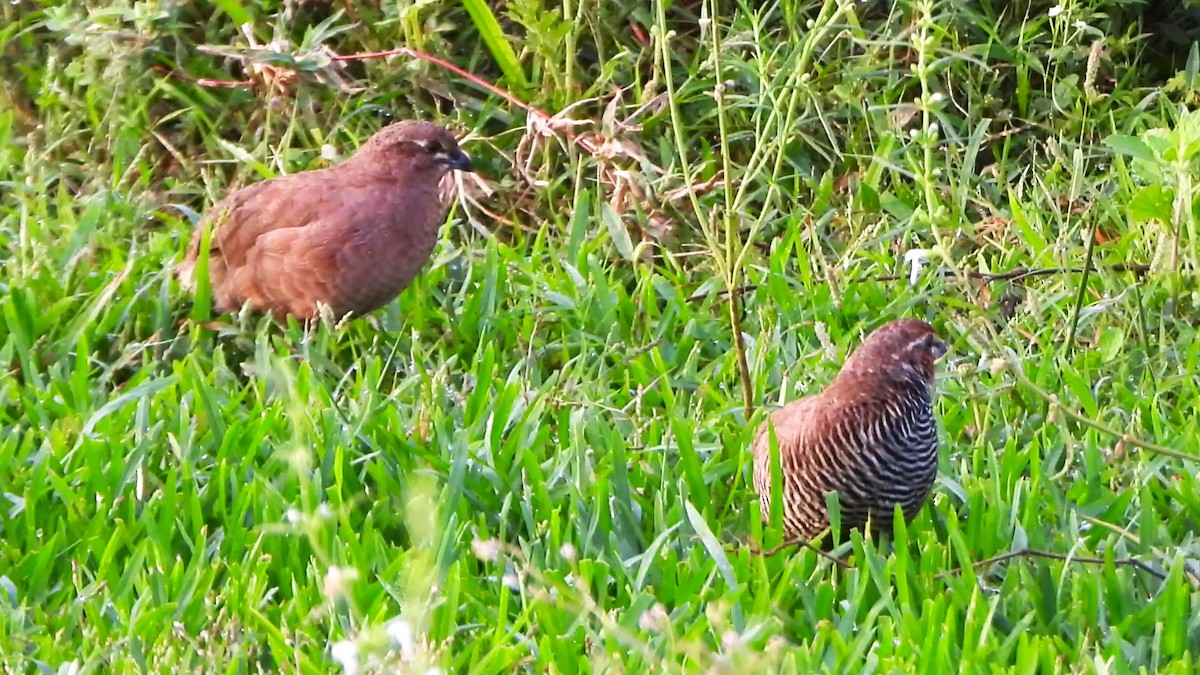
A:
[535,459]
[1167,162]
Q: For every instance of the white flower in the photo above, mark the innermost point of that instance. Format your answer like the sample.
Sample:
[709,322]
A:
[293,516]
[512,581]
[345,653]
[338,580]
[915,259]
[1055,11]
[568,552]
[937,97]
[654,619]
[486,549]
[401,634]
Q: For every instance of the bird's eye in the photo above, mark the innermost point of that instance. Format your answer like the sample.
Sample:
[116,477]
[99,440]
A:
[937,347]
[435,148]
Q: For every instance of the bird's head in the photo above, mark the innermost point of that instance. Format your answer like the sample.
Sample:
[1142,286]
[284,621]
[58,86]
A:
[901,352]
[417,146]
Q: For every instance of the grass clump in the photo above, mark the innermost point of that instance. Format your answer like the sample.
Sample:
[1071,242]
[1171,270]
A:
[536,458]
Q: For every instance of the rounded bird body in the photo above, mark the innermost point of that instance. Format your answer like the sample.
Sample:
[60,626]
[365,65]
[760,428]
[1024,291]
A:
[350,237]
[870,436]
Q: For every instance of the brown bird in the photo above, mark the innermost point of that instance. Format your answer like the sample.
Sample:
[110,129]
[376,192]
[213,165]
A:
[351,236]
[870,436]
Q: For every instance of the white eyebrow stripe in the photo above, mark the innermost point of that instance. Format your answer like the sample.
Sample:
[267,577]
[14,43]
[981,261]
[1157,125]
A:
[914,343]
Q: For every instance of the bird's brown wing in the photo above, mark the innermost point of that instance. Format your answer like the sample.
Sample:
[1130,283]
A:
[285,203]
[241,220]
[805,464]
[791,422]
[288,271]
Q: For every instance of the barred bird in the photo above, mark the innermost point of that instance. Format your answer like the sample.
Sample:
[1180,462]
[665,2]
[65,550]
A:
[350,237]
[870,436]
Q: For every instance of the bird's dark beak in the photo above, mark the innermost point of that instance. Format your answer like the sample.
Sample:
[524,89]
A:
[457,159]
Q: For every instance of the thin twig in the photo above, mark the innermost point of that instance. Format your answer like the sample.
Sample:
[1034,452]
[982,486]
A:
[1190,570]
[1125,439]
[744,288]
[1021,273]
[1022,553]
[739,346]
[1011,275]
[542,117]
[797,541]
[203,81]
[1081,293]
[1062,557]
[649,347]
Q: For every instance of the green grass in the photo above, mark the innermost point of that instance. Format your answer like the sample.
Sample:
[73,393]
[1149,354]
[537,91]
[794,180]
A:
[537,456]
